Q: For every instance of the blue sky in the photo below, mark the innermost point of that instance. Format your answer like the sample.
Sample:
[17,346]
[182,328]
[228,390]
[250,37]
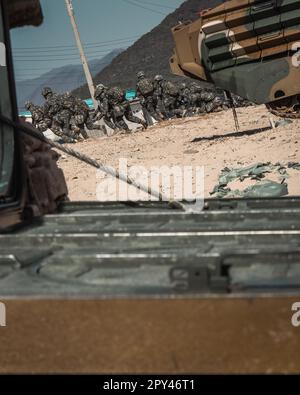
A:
[103,24]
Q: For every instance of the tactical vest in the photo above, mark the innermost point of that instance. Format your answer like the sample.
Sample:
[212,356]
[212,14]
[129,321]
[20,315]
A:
[68,102]
[115,95]
[37,114]
[53,105]
[145,86]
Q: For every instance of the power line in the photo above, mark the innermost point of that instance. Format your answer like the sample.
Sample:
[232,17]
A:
[71,56]
[37,80]
[18,75]
[54,68]
[44,60]
[37,76]
[74,46]
[105,51]
[59,81]
[25,51]
[145,8]
[158,5]
[45,68]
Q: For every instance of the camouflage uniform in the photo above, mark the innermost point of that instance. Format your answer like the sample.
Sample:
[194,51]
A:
[170,96]
[145,92]
[60,117]
[197,105]
[219,103]
[184,100]
[103,110]
[208,97]
[80,115]
[240,102]
[39,121]
[120,108]
[158,96]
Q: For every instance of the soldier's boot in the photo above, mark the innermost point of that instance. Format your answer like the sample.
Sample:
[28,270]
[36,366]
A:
[139,121]
[155,115]
[59,133]
[109,123]
[76,132]
[179,112]
[41,127]
[160,115]
[63,137]
[92,126]
[67,140]
[147,117]
[70,135]
[99,127]
[83,133]
[143,124]
[122,125]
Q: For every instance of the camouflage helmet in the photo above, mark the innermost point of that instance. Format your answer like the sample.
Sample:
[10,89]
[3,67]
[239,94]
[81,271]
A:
[101,86]
[99,89]
[46,91]
[28,104]
[140,74]
[183,85]
[158,78]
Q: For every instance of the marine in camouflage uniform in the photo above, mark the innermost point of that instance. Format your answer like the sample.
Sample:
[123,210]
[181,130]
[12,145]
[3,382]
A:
[170,97]
[158,96]
[60,117]
[120,108]
[145,93]
[203,100]
[103,110]
[80,115]
[39,121]
[183,100]
[166,94]
[197,105]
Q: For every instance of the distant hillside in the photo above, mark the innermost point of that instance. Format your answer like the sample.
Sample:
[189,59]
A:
[61,79]
[151,52]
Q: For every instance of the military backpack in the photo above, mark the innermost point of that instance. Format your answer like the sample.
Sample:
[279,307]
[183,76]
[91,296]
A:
[170,89]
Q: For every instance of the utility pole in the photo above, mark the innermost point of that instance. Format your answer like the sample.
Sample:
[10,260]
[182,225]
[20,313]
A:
[85,65]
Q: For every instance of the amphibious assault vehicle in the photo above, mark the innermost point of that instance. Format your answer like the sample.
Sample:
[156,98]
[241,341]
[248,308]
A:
[248,47]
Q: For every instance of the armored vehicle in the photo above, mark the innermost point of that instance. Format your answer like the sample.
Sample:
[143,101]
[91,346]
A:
[248,47]
[136,286]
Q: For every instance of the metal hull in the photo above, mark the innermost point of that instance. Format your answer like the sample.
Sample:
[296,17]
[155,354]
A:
[150,288]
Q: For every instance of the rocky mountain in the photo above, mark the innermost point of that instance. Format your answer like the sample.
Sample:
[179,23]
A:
[151,52]
[61,79]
